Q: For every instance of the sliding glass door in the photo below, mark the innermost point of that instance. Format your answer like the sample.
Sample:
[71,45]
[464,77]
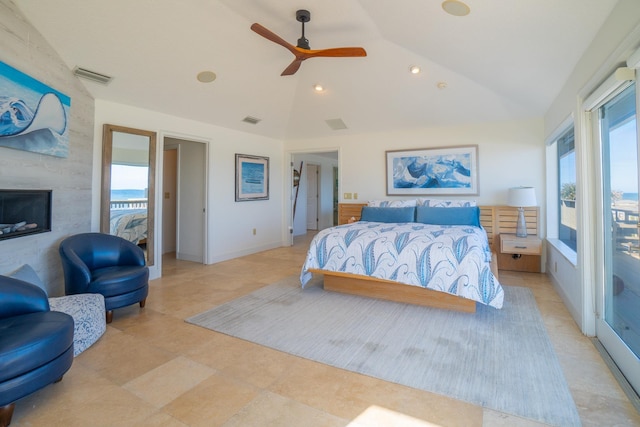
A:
[618,296]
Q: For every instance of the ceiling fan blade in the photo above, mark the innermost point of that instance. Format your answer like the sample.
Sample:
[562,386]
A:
[293,67]
[269,35]
[336,52]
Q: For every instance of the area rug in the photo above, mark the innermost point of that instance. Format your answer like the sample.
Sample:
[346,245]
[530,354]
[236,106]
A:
[499,359]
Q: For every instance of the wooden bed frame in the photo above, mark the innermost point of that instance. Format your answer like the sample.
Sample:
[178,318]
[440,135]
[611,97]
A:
[492,219]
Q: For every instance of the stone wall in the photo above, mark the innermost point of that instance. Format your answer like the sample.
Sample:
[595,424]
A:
[23,48]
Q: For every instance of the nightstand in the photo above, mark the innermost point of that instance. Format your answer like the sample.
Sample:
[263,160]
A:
[520,253]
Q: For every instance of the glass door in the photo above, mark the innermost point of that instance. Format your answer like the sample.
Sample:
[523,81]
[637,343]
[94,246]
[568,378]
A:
[618,296]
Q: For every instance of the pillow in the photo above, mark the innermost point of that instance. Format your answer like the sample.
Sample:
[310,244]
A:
[435,203]
[26,273]
[392,203]
[448,216]
[376,214]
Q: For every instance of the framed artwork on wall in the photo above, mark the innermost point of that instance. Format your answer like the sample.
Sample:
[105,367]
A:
[252,178]
[33,116]
[449,171]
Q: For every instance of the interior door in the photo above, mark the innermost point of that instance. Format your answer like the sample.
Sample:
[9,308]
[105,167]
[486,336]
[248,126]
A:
[312,197]
[618,296]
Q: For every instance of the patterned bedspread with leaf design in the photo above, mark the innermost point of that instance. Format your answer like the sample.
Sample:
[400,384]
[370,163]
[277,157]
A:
[452,259]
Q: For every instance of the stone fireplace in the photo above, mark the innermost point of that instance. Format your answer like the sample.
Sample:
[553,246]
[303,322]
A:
[24,212]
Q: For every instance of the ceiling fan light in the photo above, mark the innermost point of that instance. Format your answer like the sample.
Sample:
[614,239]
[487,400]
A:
[455,8]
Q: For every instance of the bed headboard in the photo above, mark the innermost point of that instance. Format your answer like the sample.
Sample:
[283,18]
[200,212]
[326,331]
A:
[494,219]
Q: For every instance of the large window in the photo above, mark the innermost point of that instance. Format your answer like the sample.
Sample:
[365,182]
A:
[567,188]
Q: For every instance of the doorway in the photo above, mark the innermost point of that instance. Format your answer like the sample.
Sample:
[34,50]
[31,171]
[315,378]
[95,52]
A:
[184,196]
[324,163]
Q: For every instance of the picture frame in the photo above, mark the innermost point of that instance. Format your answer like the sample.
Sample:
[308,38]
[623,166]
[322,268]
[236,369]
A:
[252,178]
[440,171]
[39,118]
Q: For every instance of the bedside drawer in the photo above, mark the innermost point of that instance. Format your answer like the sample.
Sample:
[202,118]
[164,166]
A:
[521,246]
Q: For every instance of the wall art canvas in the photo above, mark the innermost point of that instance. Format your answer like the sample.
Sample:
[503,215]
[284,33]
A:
[252,178]
[33,116]
[433,171]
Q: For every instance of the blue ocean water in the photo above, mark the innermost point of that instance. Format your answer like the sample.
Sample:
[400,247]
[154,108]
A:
[630,196]
[128,194]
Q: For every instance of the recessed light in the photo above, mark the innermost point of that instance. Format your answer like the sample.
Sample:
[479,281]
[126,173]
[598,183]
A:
[442,85]
[455,8]
[414,69]
[318,88]
[206,76]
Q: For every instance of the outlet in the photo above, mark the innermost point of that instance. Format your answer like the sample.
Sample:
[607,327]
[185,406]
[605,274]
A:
[254,231]
[347,196]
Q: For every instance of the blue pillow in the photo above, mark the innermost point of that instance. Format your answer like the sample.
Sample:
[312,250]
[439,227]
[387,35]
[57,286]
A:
[449,216]
[374,214]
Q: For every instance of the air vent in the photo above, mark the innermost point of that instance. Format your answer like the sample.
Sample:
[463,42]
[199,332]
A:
[251,120]
[92,75]
[336,124]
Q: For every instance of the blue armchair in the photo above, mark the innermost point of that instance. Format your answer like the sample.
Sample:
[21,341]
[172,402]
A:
[108,265]
[36,344]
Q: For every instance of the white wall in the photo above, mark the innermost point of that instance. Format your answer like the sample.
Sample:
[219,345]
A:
[509,154]
[23,48]
[229,223]
[575,276]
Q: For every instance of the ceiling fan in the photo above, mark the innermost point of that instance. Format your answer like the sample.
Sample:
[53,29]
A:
[302,51]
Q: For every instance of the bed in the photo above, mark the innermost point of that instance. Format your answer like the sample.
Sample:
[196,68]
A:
[130,224]
[399,259]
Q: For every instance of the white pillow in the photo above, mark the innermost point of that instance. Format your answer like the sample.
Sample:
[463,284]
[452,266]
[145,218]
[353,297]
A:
[392,203]
[435,203]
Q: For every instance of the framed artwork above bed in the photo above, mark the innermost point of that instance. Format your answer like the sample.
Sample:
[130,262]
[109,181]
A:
[443,171]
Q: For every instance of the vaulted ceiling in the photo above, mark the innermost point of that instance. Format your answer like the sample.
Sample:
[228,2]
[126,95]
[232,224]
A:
[506,59]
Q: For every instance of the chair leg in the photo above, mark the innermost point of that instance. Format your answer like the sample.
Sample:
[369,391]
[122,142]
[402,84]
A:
[143,302]
[6,412]
[109,316]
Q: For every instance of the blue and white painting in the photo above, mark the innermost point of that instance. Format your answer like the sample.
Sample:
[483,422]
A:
[432,171]
[252,177]
[33,116]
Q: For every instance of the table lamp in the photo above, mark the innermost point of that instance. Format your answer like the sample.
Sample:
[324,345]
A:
[521,197]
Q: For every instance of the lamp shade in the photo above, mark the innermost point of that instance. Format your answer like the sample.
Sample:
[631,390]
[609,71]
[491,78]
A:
[522,197]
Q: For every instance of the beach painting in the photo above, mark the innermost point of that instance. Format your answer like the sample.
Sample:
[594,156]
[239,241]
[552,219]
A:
[252,178]
[433,171]
[33,116]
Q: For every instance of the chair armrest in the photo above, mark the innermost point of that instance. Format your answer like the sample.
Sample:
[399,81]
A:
[131,254]
[76,273]
[20,297]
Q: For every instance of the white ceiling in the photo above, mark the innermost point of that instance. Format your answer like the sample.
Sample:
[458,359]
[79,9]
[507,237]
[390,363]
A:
[507,59]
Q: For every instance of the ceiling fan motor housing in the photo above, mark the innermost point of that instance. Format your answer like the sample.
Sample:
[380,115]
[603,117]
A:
[303,16]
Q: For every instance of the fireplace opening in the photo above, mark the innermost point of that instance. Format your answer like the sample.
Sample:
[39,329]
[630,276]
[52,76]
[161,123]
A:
[24,212]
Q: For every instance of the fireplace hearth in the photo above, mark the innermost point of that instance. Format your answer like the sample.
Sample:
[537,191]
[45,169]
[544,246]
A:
[24,212]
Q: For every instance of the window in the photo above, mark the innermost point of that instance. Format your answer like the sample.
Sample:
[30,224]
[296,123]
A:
[567,223]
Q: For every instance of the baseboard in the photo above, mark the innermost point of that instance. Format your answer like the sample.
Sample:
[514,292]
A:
[231,255]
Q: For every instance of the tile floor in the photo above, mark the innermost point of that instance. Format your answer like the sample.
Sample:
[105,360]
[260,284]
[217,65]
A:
[153,369]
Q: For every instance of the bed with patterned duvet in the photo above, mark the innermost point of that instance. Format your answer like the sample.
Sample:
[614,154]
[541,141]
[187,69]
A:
[407,247]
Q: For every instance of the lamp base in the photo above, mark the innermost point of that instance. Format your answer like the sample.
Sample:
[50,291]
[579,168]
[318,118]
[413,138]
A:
[521,227]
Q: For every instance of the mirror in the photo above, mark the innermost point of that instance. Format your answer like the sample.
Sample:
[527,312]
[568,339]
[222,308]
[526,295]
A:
[128,185]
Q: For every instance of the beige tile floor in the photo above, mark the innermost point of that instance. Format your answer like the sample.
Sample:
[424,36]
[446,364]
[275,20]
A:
[153,369]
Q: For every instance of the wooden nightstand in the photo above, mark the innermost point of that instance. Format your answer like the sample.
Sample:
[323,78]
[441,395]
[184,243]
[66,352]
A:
[520,253]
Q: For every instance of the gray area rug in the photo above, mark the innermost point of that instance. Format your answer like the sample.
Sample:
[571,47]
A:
[499,359]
